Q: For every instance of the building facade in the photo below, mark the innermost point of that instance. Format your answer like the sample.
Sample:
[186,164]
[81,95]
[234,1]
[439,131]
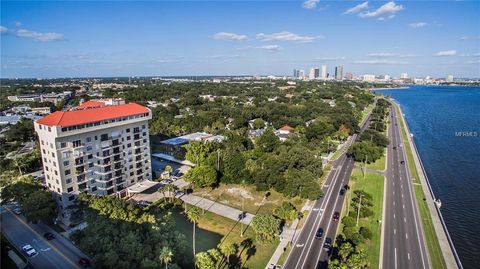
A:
[99,150]
[324,71]
[338,72]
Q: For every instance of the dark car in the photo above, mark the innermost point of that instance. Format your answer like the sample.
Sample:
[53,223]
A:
[319,233]
[328,244]
[49,236]
[84,262]
[336,216]
[402,162]
[394,147]
[342,191]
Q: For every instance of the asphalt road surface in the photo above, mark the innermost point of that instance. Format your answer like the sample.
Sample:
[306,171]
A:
[307,251]
[57,253]
[404,245]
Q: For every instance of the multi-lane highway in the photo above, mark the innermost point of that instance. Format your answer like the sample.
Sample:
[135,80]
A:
[57,253]
[403,241]
[307,251]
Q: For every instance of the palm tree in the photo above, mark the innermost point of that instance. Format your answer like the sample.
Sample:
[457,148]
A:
[229,250]
[216,256]
[169,188]
[166,255]
[193,215]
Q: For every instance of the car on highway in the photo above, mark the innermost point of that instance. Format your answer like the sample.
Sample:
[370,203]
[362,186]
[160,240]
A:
[394,147]
[84,262]
[342,191]
[49,236]
[319,233]
[402,162]
[29,250]
[336,216]
[328,244]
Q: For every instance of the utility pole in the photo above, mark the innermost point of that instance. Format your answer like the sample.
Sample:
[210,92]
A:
[359,205]
[241,223]
[365,166]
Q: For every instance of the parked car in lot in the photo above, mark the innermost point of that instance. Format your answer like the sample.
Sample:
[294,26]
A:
[49,236]
[328,244]
[29,250]
[319,233]
[17,211]
[336,216]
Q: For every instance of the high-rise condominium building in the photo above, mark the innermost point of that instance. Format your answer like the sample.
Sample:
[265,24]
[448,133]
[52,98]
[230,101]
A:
[316,72]
[349,76]
[338,72]
[449,78]
[95,148]
[324,71]
[311,75]
[403,76]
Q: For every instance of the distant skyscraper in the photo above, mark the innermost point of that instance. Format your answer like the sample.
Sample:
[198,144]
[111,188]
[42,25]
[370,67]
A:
[403,76]
[301,73]
[338,72]
[324,71]
[450,78]
[349,76]
[317,72]
[311,75]
[369,78]
[386,77]
[295,73]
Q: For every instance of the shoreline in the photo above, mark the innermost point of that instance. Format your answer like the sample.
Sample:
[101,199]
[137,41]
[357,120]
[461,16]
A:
[394,88]
[447,247]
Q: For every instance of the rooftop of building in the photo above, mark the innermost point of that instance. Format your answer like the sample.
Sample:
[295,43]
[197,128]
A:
[88,114]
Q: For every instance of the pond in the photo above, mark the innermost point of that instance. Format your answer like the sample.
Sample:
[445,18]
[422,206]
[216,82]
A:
[205,240]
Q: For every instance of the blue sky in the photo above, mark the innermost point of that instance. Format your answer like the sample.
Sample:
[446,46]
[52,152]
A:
[155,38]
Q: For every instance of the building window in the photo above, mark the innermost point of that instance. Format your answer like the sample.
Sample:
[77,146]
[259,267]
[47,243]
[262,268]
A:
[67,172]
[89,139]
[90,156]
[104,137]
[66,155]
[77,143]
[46,167]
[49,129]
[40,127]
[89,148]
[53,155]
[128,130]
[56,173]
[63,145]
[70,189]
[68,180]
[66,163]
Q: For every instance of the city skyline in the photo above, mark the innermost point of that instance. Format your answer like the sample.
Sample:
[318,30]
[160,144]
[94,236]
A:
[231,38]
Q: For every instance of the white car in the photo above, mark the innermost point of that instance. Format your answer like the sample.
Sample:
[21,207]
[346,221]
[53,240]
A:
[29,250]
[17,211]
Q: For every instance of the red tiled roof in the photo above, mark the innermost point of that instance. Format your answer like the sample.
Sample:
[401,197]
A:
[286,128]
[90,104]
[76,117]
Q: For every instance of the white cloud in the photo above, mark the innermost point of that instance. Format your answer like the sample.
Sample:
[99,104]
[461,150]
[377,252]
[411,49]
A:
[229,36]
[470,38]
[17,23]
[287,36]
[418,24]
[43,37]
[381,54]
[270,48]
[356,8]
[3,29]
[389,8]
[390,55]
[379,62]
[327,59]
[310,4]
[446,53]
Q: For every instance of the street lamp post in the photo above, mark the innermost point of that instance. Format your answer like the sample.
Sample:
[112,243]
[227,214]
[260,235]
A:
[359,205]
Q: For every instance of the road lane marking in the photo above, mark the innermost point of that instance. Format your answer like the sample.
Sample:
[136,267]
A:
[405,219]
[394,231]
[395,258]
[406,235]
[48,243]
[408,254]
[393,215]
[394,203]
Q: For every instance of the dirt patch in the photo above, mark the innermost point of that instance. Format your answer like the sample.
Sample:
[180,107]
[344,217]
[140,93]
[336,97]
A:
[239,191]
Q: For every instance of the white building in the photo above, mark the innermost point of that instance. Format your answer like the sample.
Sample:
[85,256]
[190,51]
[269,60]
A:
[100,150]
[403,76]
[449,78]
[324,71]
[311,75]
[369,78]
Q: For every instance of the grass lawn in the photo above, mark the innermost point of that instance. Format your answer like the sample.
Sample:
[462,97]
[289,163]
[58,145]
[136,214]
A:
[434,250]
[377,165]
[229,231]
[232,194]
[372,184]
[284,256]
